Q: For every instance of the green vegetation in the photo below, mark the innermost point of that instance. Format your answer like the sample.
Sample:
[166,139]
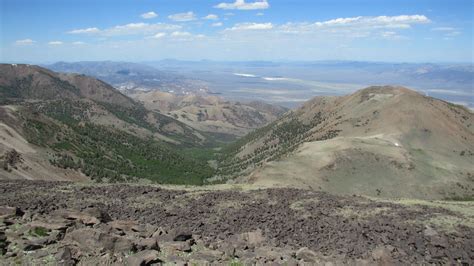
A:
[106,152]
[278,139]
[39,231]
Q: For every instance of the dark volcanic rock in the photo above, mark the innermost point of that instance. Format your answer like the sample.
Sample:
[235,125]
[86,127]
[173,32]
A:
[253,226]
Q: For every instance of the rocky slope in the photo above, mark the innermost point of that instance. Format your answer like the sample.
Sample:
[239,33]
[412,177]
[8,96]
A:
[66,126]
[68,224]
[381,141]
[211,113]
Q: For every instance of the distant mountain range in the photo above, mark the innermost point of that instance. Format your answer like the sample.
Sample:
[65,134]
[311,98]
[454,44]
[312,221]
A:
[131,76]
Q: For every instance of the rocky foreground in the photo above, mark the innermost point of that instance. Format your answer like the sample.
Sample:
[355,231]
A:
[68,224]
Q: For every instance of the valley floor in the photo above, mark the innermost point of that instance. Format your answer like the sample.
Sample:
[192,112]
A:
[86,224]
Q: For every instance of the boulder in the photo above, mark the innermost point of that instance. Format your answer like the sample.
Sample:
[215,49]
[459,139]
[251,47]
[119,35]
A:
[123,225]
[89,216]
[64,256]
[145,257]
[174,246]
[182,236]
[147,244]
[94,241]
[9,212]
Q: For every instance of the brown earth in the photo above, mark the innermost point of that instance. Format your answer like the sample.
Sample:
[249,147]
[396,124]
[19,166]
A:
[52,222]
[211,113]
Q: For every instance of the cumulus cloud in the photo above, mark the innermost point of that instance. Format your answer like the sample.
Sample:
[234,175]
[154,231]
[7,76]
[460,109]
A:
[251,26]
[55,43]
[217,24]
[211,17]
[85,31]
[25,42]
[242,5]
[183,17]
[149,15]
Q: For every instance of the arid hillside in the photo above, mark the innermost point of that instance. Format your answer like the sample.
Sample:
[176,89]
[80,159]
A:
[381,141]
[211,113]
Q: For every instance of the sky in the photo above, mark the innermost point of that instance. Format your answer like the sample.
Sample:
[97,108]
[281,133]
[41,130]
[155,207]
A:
[42,31]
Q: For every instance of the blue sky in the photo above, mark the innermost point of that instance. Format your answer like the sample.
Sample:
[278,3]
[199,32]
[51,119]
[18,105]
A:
[145,30]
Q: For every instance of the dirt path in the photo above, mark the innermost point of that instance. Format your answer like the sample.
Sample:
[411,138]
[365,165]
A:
[332,228]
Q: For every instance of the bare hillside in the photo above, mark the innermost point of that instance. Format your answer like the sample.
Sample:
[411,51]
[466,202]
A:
[211,113]
[383,141]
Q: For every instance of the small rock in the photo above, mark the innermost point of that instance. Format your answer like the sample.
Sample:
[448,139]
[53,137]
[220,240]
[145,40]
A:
[145,257]
[31,246]
[253,238]
[63,255]
[306,255]
[430,231]
[381,254]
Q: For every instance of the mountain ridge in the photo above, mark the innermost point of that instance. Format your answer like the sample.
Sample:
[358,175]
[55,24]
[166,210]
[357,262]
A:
[382,140]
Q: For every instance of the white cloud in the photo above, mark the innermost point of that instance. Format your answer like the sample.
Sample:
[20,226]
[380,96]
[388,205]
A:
[453,33]
[55,43]
[402,21]
[357,26]
[181,34]
[140,28]
[85,31]
[242,5]
[251,26]
[183,17]
[78,43]
[259,14]
[392,35]
[211,17]
[149,15]
[217,24]
[447,31]
[129,29]
[443,29]
[24,42]
[185,36]
[159,35]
